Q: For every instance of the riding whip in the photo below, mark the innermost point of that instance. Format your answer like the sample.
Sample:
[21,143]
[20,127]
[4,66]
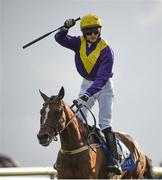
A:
[45,35]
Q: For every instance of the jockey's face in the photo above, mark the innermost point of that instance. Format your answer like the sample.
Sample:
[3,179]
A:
[92,34]
[92,38]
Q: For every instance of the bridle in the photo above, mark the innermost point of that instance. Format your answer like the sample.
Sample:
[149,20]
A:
[56,127]
[56,130]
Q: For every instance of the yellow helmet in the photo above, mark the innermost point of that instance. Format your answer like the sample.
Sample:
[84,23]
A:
[90,20]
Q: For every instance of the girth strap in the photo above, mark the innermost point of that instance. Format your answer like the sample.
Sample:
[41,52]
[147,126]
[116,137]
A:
[81,149]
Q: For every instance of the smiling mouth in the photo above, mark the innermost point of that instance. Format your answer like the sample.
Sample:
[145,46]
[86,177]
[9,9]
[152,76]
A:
[93,39]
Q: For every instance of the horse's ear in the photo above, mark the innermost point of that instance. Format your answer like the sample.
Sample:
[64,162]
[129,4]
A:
[45,97]
[61,93]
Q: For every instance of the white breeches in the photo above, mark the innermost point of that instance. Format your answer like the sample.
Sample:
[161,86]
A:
[105,101]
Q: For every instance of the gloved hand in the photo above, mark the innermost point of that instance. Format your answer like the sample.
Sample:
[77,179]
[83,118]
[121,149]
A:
[69,23]
[82,100]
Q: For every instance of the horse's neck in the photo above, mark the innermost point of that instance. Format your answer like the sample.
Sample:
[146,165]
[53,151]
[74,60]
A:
[72,136]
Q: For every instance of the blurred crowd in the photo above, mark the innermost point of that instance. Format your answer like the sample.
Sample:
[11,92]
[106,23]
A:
[6,161]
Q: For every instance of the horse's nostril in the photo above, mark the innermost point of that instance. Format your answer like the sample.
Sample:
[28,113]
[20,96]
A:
[42,136]
[45,136]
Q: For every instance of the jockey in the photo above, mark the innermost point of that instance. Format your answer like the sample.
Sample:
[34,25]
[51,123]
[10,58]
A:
[94,61]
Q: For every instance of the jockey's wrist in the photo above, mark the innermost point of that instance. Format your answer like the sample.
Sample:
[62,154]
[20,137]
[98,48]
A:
[85,97]
[65,29]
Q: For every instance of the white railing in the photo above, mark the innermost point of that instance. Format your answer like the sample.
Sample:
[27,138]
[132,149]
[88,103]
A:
[28,171]
[157,171]
[46,171]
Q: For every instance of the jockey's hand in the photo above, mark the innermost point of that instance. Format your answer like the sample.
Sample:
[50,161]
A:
[82,100]
[69,23]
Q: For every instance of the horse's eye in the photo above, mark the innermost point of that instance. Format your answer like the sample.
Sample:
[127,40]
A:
[58,113]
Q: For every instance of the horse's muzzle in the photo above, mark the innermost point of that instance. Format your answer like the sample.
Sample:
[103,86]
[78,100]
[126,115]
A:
[44,139]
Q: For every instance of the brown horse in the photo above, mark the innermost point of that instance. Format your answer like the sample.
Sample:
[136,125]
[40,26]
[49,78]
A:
[76,158]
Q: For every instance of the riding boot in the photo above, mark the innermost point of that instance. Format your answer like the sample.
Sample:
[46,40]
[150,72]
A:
[111,143]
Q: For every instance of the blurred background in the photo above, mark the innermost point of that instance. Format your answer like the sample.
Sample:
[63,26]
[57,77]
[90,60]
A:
[134,31]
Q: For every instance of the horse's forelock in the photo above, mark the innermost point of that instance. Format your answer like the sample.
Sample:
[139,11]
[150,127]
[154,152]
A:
[52,98]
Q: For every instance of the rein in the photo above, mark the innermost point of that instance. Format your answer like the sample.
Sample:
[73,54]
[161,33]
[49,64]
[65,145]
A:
[80,110]
[90,132]
[74,115]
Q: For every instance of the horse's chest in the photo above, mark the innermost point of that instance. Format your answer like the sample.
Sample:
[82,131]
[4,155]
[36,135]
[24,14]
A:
[76,166]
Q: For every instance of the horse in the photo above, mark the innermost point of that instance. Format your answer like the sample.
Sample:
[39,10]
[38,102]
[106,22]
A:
[79,157]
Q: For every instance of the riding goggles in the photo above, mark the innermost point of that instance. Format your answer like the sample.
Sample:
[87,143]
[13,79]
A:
[89,32]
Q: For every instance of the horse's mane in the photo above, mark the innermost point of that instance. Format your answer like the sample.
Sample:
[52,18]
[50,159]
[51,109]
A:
[81,126]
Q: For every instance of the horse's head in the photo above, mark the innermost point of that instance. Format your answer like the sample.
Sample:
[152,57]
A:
[52,118]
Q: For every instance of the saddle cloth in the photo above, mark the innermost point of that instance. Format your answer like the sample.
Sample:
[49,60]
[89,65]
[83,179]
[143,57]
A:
[126,159]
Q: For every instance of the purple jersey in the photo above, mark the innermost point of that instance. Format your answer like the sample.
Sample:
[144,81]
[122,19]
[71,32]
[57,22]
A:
[102,69]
